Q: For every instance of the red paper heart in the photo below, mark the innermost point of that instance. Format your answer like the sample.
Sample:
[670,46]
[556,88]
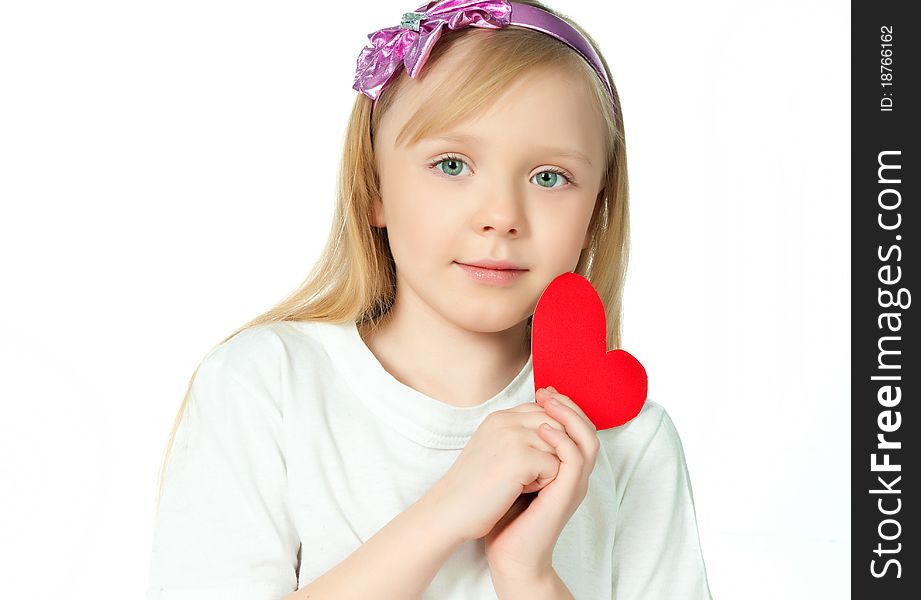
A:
[569,352]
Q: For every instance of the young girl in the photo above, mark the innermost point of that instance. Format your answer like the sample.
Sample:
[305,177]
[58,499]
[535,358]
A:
[377,434]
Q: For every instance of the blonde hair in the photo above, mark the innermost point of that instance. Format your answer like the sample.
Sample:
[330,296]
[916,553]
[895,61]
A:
[355,276]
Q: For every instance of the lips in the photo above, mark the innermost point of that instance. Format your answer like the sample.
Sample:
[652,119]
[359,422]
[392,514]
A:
[492,272]
[498,265]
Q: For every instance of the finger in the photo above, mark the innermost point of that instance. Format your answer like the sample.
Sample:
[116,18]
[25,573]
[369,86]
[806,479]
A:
[548,468]
[538,415]
[530,429]
[529,408]
[541,482]
[568,402]
[571,457]
[539,443]
[578,426]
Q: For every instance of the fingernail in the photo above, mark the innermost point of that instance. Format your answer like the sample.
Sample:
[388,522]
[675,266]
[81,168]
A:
[554,402]
[552,389]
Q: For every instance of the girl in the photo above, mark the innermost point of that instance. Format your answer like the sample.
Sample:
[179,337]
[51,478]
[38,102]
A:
[376,434]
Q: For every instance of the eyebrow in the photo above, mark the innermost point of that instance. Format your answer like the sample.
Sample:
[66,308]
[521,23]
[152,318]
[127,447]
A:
[469,139]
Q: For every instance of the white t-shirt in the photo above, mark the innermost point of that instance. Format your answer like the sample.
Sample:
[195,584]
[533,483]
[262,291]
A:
[297,446]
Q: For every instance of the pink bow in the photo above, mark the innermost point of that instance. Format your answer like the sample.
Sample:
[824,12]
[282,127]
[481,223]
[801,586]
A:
[411,42]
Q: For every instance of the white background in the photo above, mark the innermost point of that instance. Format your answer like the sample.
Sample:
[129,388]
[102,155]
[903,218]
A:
[167,172]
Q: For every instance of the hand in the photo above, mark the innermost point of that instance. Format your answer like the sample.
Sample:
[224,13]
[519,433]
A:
[504,458]
[521,544]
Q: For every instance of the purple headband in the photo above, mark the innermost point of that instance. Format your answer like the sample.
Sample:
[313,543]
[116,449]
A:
[411,42]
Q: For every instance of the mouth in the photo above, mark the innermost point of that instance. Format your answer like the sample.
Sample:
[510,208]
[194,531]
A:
[495,274]
[491,263]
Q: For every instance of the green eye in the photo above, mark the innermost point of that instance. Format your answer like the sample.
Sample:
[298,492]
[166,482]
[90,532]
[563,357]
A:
[550,176]
[453,166]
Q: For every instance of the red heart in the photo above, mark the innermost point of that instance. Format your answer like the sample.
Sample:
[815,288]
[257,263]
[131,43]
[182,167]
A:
[569,352]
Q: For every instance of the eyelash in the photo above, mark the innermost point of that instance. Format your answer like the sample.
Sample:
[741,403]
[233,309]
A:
[569,178]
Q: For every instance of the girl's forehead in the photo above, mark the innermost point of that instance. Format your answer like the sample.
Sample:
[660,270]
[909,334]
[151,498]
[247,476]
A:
[562,148]
[550,103]
[536,111]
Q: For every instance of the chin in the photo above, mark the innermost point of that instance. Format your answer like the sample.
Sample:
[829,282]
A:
[490,321]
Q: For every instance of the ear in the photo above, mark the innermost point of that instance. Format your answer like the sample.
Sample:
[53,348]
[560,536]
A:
[377,213]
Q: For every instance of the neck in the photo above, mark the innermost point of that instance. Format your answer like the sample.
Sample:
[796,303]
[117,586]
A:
[444,360]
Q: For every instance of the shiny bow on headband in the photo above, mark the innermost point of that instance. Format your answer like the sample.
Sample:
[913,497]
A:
[411,42]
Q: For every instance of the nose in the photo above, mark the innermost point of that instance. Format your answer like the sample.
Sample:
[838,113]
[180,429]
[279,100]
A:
[500,212]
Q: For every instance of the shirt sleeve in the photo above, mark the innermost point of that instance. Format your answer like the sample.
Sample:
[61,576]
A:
[657,550]
[223,530]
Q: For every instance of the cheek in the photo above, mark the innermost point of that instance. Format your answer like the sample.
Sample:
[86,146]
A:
[560,234]
[419,233]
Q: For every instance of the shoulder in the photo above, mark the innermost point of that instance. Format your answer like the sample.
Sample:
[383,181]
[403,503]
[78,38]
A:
[261,358]
[650,437]
[265,344]
[638,431]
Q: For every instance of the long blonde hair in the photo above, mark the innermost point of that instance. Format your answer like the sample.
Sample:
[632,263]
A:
[355,275]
